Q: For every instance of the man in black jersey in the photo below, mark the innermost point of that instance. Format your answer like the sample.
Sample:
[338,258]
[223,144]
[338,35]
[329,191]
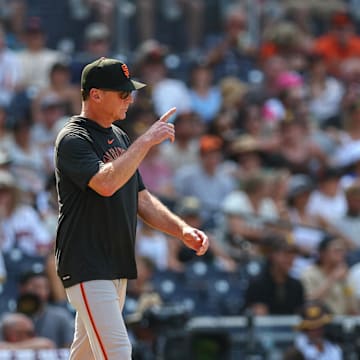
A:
[100,195]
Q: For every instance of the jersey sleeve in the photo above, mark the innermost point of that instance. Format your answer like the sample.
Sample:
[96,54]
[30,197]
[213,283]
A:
[140,182]
[76,159]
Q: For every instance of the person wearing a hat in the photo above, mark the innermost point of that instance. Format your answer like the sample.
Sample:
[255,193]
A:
[101,193]
[311,340]
[164,90]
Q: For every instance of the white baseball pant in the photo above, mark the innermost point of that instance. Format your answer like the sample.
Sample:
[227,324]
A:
[100,331]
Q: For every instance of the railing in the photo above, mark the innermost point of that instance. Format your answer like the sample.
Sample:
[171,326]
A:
[51,354]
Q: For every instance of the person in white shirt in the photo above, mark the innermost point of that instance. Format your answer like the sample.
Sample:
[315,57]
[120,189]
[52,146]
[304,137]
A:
[328,202]
[10,71]
[36,60]
[311,340]
[21,226]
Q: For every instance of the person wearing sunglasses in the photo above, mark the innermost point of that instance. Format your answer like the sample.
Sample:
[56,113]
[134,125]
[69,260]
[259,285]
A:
[101,193]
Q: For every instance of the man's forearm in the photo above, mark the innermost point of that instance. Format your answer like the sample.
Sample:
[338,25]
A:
[157,215]
[114,174]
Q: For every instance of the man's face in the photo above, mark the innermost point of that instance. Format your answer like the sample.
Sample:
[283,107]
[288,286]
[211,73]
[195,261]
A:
[38,285]
[211,160]
[23,330]
[114,103]
[283,259]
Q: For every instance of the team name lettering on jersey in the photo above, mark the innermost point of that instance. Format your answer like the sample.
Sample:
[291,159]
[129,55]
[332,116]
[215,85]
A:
[113,154]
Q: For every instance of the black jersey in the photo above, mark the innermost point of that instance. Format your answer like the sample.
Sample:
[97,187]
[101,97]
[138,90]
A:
[96,234]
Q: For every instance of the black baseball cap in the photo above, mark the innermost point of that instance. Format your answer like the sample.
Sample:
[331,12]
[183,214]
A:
[108,74]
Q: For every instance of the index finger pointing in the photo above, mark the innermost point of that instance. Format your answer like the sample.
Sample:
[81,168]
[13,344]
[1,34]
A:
[165,117]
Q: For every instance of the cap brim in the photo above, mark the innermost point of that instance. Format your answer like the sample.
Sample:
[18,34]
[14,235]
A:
[314,324]
[137,84]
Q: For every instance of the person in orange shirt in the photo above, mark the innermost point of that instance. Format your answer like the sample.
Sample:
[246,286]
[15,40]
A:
[339,43]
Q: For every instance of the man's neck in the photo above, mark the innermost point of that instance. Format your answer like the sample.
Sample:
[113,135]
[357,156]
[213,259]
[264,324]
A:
[95,116]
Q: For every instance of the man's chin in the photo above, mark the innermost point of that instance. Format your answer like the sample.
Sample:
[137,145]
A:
[121,116]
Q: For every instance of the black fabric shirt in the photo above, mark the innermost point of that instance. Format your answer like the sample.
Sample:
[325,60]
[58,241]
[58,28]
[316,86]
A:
[284,299]
[95,234]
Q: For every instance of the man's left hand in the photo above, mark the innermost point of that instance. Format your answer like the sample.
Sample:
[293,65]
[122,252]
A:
[195,239]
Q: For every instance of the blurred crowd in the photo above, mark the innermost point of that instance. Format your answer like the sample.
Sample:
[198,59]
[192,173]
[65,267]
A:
[266,157]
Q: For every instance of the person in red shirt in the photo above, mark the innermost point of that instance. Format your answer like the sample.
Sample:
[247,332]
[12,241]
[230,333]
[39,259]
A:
[339,43]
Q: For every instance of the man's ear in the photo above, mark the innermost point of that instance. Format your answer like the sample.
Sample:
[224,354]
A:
[94,93]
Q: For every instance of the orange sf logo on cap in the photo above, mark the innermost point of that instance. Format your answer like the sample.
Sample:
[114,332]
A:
[125,70]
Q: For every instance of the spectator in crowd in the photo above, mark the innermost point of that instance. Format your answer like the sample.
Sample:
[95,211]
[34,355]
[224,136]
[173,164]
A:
[351,124]
[271,69]
[104,12]
[349,223]
[305,228]
[274,291]
[164,90]
[340,42]
[278,186]
[327,202]
[45,128]
[10,72]
[205,95]
[17,333]
[254,124]
[312,341]
[325,93]
[349,75]
[288,100]
[327,279]
[59,86]
[154,245]
[233,54]
[27,160]
[22,227]
[185,149]
[46,204]
[35,59]
[189,209]
[293,354]
[247,211]
[287,40]
[297,151]
[233,92]
[6,138]
[245,152]
[51,321]
[141,289]
[96,43]
[225,125]
[207,177]
[157,173]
